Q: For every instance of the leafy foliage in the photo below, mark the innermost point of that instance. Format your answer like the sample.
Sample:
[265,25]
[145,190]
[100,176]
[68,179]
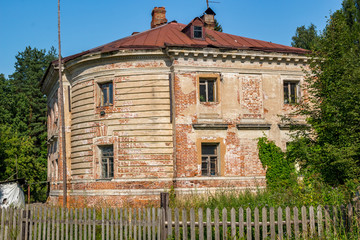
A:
[280,173]
[23,150]
[306,38]
[332,108]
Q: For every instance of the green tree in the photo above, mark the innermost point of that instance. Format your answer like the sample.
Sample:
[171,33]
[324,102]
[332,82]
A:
[306,38]
[5,100]
[18,159]
[29,115]
[332,107]
[218,26]
[23,132]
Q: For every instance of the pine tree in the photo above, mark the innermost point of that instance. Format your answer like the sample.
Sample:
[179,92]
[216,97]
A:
[23,130]
[29,115]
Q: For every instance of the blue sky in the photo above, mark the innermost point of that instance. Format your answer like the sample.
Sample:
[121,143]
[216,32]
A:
[91,23]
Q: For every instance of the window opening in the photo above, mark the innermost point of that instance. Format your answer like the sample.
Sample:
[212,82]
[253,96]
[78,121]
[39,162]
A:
[209,159]
[106,94]
[107,161]
[207,90]
[291,92]
[198,32]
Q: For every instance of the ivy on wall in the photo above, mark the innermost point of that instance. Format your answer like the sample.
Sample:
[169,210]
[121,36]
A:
[279,171]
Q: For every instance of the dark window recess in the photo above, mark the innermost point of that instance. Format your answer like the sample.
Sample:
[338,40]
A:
[106,94]
[198,32]
[209,160]
[291,92]
[107,161]
[207,90]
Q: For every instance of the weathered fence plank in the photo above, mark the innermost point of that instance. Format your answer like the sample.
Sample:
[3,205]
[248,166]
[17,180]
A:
[288,222]
[71,224]
[169,222]
[192,224]
[296,222]
[304,222]
[280,224]
[256,224]
[233,224]
[177,227]
[248,224]
[241,222]
[208,225]
[216,217]
[264,223]
[201,224]
[224,223]
[184,224]
[319,217]
[36,213]
[272,223]
[312,221]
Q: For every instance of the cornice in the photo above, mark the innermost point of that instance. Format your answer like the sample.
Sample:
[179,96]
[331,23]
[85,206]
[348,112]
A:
[254,56]
[123,54]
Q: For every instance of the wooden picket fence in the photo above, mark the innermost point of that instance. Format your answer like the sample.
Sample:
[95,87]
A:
[41,222]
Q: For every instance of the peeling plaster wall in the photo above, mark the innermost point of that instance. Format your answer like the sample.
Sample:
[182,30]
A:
[152,123]
[250,92]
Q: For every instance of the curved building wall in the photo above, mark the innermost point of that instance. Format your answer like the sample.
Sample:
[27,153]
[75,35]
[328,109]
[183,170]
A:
[137,125]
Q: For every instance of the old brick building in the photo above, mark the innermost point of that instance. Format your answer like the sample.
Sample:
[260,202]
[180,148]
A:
[177,105]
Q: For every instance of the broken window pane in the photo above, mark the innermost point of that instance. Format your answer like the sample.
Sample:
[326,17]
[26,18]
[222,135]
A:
[207,89]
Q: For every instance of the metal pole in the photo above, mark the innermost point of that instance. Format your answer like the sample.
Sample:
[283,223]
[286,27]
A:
[207,3]
[61,104]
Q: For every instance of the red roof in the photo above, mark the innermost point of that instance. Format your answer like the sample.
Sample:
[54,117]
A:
[171,34]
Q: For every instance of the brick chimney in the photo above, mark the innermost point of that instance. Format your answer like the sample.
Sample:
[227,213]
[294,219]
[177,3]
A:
[158,17]
[209,18]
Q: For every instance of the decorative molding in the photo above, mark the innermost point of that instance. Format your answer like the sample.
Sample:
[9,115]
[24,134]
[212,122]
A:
[287,126]
[215,126]
[243,55]
[253,126]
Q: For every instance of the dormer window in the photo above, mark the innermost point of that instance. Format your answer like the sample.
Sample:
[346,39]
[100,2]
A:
[195,29]
[198,32]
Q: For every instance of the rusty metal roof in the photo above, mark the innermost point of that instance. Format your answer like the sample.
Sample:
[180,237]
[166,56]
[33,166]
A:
[171,34]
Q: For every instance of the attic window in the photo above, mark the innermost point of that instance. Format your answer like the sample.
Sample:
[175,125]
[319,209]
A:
[198,32]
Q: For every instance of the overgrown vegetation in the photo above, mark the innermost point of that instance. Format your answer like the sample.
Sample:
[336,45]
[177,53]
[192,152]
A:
[331,148]
[327,151]
[280,172]
[23,150]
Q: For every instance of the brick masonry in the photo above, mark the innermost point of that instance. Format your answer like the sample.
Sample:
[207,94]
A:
[151,124]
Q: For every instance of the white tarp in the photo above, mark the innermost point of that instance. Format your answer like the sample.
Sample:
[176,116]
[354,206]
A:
[11,194]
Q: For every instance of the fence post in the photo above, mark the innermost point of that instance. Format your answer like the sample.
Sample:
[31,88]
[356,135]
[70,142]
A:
[164,201]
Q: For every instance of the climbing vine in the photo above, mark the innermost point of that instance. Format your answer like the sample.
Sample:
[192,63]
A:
[279,171]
